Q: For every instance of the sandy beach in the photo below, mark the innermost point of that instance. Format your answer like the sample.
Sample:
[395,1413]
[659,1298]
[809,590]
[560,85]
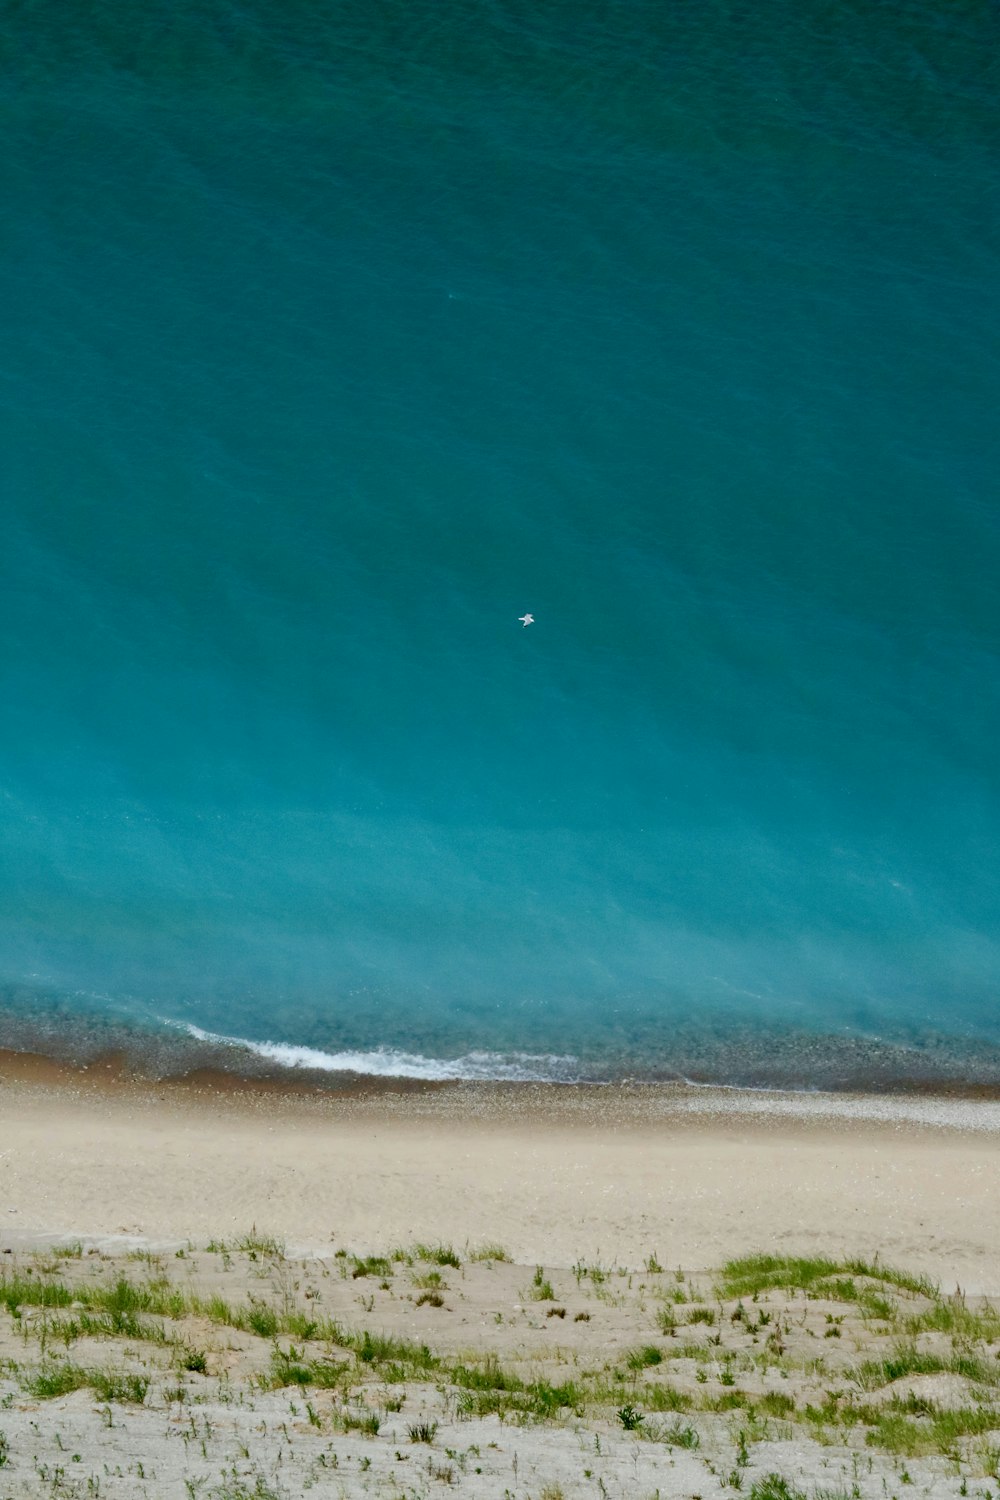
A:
[248,1292]
[694,1176]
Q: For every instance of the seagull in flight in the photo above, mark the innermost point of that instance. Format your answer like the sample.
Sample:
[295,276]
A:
[526,620]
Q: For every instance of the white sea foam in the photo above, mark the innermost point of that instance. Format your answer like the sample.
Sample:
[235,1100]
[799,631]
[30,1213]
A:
[389,1062]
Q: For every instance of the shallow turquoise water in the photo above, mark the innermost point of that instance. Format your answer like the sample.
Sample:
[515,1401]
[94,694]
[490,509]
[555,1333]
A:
[332,346]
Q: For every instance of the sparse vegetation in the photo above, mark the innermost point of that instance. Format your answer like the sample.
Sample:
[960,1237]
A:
[775,1488]
[291,1367]
[261,1244]
[233,1487]
[440,1255]
[371,1265]
[366,1422]
[641,1359]
[770,1325]
[54,1380]
[702,1315]
[541,1287]
[681,1435]
[758,1273]
[666,1321]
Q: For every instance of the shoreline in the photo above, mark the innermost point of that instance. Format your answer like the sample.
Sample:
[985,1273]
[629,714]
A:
[692,1175]
[117,1066]
[732,1056]
[967,1108]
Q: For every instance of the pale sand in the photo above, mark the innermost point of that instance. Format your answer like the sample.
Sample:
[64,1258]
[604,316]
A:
[225,1429]
[555,1175]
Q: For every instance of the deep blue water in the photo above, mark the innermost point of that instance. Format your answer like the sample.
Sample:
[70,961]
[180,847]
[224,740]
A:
[337,338]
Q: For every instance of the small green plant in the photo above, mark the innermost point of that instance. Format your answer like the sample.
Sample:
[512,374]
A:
[422,1432]
[430,1299]
[195,1361]
[52,1381]
[261,1320]
[630,1417]
[653,1265]
[640,1359]
[433,1281]
[702,1315]
[367,1422]
[662,1397]
[541,1287]
[4,1450]
[440,1255]
[290,1368]
[111,1385]
[489,1252]
[774,1487]
[261,1244]
[234,1487]
[382,1349]
[776,1404]
[371,1265]
[682,1435]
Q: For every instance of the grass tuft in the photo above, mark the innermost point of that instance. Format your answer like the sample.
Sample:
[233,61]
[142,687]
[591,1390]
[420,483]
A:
[382,1349]
[438,1255]
[679,1435]
[52,1381]
[291,1368]
[254,1244]
[760,1273]
[774,1487]
[541,1287]
[371,1265]
[55,1380]
[641,1359]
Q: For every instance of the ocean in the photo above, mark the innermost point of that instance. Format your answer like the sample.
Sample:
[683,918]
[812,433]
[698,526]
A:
[338,338]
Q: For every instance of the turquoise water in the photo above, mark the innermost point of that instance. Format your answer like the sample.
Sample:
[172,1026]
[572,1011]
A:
[335,342]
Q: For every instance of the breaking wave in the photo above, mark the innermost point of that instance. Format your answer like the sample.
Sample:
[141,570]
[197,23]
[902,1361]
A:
[390,1062]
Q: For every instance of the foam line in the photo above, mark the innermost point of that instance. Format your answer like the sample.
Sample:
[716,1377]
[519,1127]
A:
[389,1062]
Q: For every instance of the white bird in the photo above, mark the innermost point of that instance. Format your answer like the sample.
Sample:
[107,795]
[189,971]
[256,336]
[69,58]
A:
[526,620]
